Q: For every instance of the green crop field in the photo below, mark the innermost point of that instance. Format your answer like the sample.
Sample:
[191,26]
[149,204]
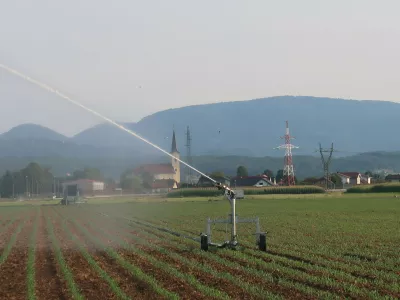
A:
[322,246]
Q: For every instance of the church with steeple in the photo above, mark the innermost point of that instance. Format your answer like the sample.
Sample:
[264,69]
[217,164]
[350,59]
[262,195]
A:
[166,176]
[175,163]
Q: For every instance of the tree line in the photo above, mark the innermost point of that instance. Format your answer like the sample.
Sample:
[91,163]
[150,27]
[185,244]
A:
[242,171]
[34,180]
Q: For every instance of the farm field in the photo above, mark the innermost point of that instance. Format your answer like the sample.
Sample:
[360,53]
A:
[319,247]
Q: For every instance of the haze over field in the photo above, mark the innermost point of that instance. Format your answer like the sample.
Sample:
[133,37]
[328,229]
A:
[128,59]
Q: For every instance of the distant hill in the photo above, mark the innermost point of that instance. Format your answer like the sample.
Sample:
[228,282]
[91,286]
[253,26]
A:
[33,131]
[254,128]
[225,135]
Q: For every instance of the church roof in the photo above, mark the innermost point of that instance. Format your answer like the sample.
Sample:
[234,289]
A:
[173,147]
[155,169]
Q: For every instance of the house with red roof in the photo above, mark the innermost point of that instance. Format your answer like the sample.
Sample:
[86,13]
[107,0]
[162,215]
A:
[252,181]
[354,178]
[393,178]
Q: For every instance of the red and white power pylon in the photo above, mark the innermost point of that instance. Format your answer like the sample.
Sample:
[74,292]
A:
[288,169]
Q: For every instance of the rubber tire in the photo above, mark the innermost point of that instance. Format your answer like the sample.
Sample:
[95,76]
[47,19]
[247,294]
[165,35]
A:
[204,242]
[262,245]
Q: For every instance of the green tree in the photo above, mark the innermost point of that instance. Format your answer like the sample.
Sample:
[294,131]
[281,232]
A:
[88,173]
[132,183]
[335,178]
[242,171]
[268,173]
[309,181]
[147,180]
[217,174]
[279,175]
[6,186]
[35,178]
[369,173]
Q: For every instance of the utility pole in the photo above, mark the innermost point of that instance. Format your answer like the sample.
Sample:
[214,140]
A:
[288,169]
[27,192]
[189,155]
[326,162]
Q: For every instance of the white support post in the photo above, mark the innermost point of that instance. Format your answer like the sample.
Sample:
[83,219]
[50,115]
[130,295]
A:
[233,220]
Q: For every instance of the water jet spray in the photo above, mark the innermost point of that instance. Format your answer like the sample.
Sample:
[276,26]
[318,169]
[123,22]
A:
[229,193]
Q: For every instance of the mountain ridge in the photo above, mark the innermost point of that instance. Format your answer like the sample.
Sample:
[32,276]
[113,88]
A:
[251,128]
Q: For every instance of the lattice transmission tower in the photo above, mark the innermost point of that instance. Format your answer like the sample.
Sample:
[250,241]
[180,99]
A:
[326,162]
[189,173]
[288,169]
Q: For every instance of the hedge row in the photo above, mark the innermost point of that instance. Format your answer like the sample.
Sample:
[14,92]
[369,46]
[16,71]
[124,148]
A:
[379,188]
[210,192]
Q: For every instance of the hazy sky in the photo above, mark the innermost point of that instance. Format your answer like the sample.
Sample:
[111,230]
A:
[190,52]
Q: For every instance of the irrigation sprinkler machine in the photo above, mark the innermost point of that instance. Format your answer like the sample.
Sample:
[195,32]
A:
[71,195]
[233,219]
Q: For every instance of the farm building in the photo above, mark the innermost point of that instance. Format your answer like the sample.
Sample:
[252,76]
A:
[354,178]
[86,186]
[253,181]
[163,171]
[393,178]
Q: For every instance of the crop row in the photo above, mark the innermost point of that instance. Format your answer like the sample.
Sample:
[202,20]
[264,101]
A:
[378,262]
[294,271]
[253,272]
[323,272]
[330,275]
[213,192]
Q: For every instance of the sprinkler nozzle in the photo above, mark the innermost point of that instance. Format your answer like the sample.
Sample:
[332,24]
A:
[227,190]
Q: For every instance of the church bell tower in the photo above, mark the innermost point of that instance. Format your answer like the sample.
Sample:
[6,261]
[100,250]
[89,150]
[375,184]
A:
[175,162]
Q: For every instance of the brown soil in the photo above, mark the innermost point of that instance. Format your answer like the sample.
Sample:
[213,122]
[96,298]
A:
[273,287]
[256,281]
[13,270]
[282,290]
[176,285]
[49,278]
[134,288]
[204,278]
[91,285]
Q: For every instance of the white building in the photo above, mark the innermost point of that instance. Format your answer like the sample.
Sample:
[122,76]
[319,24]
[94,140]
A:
[254,181]
[86,186]
[354,178]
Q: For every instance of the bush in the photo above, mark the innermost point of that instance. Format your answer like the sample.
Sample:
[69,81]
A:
[195,192]
[378,188]
[213,192]
[285,190]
